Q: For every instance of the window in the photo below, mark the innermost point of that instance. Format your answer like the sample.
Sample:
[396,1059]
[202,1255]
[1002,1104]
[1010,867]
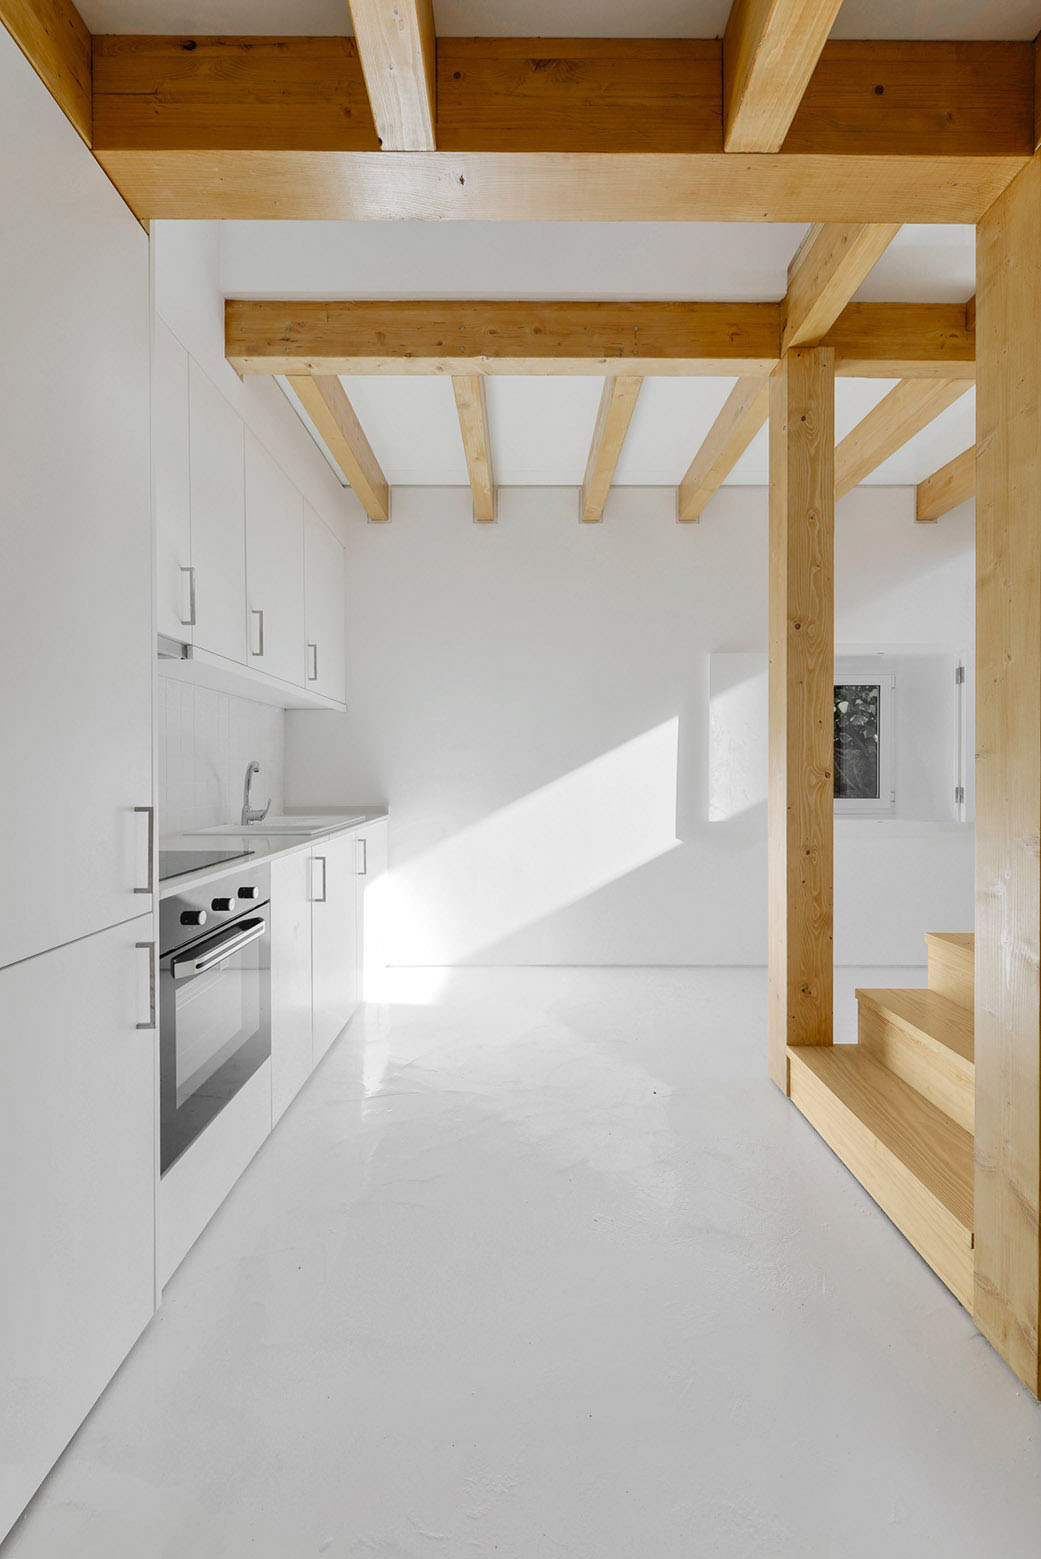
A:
[863,719]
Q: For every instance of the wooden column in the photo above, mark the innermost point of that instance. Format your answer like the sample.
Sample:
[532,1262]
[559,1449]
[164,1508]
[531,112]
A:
[1008,774]
[802,658]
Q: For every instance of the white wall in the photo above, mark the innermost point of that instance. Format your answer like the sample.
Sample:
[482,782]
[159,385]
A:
[205,740]
[532,701]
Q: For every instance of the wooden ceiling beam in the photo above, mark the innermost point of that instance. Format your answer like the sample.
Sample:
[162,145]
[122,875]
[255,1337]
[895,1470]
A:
[770,51]
[472,406]
[617,404]
[458,336]
[398,56]
[54,39]
[830,265]
[281,128]
[947,488]
[325,401]
[744,412]
[905,411]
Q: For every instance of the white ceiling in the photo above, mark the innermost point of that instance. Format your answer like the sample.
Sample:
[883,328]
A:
[564,18]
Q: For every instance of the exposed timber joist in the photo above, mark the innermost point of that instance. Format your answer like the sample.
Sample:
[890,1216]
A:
[325,402]
[770,51]
[905,411]
[617,404]
[744,412]
[398,57]
[946,488]
[472,406]
[879,340]
[54,39]
[827,270]
[281,128]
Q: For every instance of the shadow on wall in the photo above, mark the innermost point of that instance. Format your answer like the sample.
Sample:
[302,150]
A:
[536,856]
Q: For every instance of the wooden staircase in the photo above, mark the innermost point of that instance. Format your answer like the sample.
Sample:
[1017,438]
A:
[897,1107]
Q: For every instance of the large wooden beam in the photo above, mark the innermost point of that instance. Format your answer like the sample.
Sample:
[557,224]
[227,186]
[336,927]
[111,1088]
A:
[744,411]
[54,39]
[398,56]
[617,404]
[460,337]
[1008,778]
[905,411]
[946,488]
[472,406]
[801,703]
[770,51]
[568,129]
[831,264]
[325,402]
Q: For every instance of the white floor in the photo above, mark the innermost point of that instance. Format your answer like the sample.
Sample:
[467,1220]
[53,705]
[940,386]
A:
[540,1266]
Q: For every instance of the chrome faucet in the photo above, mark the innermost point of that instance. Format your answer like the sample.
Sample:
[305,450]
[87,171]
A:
[252,814]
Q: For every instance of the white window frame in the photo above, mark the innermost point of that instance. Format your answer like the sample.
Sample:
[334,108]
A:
[849,672]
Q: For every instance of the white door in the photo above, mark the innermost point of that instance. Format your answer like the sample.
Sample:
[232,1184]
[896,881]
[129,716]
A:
[326,609]
[291,1045]
[373,842]
[77,1190]
[218,519]
[274,567]
[170,485]
[76,632]
[334,938]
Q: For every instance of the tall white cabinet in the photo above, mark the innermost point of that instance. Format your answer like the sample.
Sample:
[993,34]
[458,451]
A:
[77,1074]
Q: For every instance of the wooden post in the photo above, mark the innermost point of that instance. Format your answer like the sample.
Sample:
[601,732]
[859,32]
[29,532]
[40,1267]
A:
[802,659]
[1008,774]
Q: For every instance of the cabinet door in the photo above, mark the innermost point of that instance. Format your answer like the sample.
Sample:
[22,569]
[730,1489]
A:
[326,609]
[274,567]
[76,632]
[372,905]
[170,486]
[77,1191]
[291,1045]
[218,519]
[334,931]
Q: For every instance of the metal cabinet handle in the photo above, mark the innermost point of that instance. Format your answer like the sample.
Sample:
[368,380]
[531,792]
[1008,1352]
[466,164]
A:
[312,675]
[364,872]
[219,953]
[258,612]
[189,621]
[150,812]
[316,900]
[149,947]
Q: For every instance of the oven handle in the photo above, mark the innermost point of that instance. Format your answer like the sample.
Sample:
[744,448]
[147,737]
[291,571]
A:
[251,931]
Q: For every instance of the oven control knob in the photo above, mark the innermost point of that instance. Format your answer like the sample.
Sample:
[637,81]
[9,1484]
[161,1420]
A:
[249,893]
[193,917]
[223,905]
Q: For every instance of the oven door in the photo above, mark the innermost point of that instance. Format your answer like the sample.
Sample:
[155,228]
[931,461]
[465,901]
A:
[215,1027]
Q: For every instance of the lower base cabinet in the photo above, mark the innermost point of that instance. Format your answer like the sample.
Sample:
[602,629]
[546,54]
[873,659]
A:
[335,982]
[77,1191]
[291,1045]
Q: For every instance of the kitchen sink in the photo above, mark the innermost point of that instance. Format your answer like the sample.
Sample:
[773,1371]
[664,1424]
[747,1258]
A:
[286,825]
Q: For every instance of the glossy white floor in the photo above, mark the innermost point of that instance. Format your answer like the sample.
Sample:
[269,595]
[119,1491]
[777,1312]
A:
[541,1266]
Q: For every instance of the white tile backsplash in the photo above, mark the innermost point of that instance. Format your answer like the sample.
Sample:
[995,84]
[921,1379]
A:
[206,740]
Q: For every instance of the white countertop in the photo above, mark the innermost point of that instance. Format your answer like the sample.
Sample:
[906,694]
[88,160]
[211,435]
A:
[263,847]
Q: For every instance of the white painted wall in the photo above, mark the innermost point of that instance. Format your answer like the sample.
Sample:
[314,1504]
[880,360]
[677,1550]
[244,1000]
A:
[532,700]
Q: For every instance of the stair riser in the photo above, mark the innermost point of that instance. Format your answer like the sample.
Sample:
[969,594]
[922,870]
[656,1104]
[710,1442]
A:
[933,1231]
[941,1076]
[951,973]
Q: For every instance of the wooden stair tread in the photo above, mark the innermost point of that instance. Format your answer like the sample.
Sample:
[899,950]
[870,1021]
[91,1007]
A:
[964,941]
[935,1018]
[932,1147]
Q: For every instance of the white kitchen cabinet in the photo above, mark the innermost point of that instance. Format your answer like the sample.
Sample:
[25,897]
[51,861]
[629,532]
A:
[372,844]
[291,1013]
[334,938]
[170,486]
[76,632]
[274,567]
[326,609]
[77,1190]
[217,484]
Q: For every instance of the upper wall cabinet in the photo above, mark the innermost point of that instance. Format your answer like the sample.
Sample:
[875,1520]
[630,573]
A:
[326,606]
[218,521]
[274,567]
[174,583]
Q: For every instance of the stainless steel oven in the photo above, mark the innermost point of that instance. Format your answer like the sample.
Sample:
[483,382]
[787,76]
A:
[214,1001]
